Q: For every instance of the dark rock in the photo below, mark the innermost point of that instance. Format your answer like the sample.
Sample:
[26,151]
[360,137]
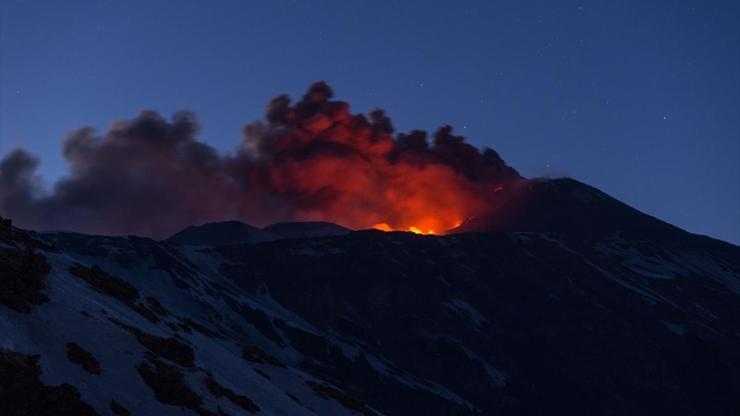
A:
[262,373]
[256,317]
[145,312]
[117,409]
[240,400]
[82,358]
[293,397]
[106,284]
[170,348]
[185,327]
[116,288]
[23,394]
[202,329]
[22,275]
[157,307]
[20,238]
[168,385]
[348,401]
[256,355]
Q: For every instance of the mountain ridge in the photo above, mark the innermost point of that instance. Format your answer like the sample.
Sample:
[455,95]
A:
[626,316]
[238,232]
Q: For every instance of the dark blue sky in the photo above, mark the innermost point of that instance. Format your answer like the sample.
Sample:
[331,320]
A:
[640,99]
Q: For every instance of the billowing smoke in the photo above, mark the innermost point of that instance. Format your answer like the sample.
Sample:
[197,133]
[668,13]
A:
[312,160]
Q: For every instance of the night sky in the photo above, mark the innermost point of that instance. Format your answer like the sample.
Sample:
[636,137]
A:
[640,99]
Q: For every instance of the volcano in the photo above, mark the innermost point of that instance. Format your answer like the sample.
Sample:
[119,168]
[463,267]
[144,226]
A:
[561,301]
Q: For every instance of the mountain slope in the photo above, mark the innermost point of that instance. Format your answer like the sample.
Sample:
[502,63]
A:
[566,206]
[236,232]
[306,229]
[592,308]
[219,233]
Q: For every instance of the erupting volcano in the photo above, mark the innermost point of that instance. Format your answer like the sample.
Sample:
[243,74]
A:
[349,169]
[311,160]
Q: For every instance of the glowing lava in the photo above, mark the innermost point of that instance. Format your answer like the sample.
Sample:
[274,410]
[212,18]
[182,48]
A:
[414,229]
[385,227]
[316,161]
[382,227]
[308,160]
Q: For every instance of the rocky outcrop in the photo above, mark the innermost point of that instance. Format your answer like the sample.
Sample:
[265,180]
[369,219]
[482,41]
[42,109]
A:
[82,358]
[348,401]
[119,289]
[17,237]
[23,394]
[168,385]
[255,354]
[106,284]
[118,410]
[22,274]
[169,348]
[238,399]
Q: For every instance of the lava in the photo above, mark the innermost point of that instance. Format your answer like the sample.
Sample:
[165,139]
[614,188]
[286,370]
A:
[352,169]
[309,160]
[416,230]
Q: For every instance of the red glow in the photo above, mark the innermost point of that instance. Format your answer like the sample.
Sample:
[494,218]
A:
[350,169]
[385,227]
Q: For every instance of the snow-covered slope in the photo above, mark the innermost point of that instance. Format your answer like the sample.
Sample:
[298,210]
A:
[236,232]
[609,321]
[141,309]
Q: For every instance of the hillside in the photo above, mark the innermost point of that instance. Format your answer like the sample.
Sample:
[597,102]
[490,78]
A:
[622,315]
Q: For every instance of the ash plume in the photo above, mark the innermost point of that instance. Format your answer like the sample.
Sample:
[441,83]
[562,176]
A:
[308,160]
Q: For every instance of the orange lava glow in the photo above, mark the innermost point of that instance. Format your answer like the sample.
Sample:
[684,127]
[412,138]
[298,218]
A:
[331,165]
[418,231]
[414,229]
[382,227]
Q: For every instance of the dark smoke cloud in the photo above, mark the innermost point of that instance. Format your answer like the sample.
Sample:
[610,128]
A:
[312,160]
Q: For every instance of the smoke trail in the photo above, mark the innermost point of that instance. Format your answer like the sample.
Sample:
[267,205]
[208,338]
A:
[312,160]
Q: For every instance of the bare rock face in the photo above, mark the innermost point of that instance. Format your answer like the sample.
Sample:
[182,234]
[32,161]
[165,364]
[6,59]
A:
[22,275]
[239,399]
[118,409]
[23,394]
[82,358]
[104,283]
[17,237]
[168,385]
[348,401]
[169,347]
